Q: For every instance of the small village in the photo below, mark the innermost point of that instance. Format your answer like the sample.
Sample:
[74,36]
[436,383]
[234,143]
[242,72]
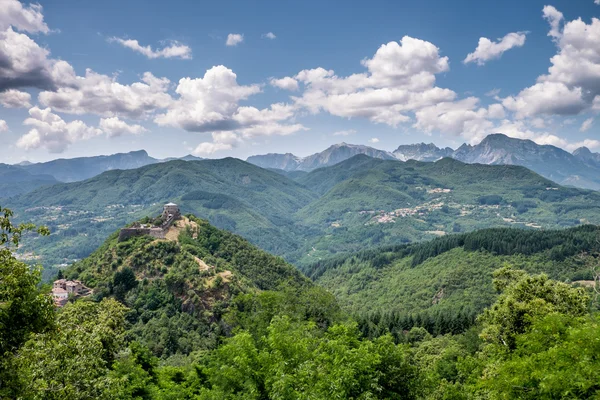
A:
[62,289]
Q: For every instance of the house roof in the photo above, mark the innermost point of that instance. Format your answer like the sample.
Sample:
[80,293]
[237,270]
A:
[170,204]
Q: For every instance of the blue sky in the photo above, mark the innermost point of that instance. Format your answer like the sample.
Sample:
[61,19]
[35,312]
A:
[382,73]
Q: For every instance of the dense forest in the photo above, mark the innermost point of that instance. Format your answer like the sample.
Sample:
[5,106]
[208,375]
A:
[206,315]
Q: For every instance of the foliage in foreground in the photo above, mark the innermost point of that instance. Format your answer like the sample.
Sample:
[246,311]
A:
[537,341]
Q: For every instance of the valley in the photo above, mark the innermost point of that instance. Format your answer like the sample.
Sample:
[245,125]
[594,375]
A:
[359,203]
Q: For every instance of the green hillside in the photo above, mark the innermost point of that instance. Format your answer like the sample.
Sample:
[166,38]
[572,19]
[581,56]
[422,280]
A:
[178,289]
[451,274]
[359,203]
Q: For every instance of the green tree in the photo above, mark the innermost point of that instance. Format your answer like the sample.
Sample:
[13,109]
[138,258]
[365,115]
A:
[74,361]
[24,309]
[526,297]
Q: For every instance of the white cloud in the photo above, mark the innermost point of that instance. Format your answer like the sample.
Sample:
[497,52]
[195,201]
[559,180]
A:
[554,18]
[487,50]
[493,92]
[23,63]
[209,103]
[15,99]
[464,117]
[587,124]
[102,95]
[400,78]
[221,141]
[573,79]
[51,132]
[589,143]
[546,98]
[345,132]
[115,127]
[28,19]
[233,39]
[173,50]
[538,123]
[3,125]
[597,2]
[374,140]
[271,35]
[285,83]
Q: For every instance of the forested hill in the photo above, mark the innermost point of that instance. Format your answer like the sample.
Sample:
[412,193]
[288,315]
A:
[451,275]
[178,288]
[357,204]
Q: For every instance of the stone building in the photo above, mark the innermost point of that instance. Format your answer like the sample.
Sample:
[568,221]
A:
[62,288]
[170,210]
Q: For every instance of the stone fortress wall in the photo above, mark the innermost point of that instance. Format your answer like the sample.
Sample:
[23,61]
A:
[170,214]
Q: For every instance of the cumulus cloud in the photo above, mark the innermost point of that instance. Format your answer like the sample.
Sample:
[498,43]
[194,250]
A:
[3,125]
[211,104]
[487,50]
[233,39]
[586,125]
[15,99]
[347,132]
[28,19]
[554,18]
[208,103]
[285,83]
[374,140]
[271,35]
[464,117]
[400,79]
[51,132]
[173,50]
[115,127]
[23,63]
[102,95]
[573,80]
[221,141]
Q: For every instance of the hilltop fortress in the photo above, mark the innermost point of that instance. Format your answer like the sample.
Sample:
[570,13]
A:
[169,215]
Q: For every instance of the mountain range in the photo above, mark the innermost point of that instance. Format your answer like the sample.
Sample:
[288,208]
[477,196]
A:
[330,156]
[26,176]
[579,169]
[359,203]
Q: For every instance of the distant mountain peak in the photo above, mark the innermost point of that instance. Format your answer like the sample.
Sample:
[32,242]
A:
[334,154]
[582,151]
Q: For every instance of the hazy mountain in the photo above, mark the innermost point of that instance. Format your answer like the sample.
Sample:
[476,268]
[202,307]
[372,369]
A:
[584,154]
[286,162]
[421,152]
[14,180]
[549,161]
[581,169]
[78,169]
[330,156]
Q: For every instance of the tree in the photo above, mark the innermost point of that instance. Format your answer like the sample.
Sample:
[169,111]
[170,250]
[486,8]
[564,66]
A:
[526,297]
[74,361]
[23,308]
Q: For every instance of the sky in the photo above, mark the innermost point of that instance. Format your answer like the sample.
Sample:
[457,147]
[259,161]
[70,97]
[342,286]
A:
[237,78]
